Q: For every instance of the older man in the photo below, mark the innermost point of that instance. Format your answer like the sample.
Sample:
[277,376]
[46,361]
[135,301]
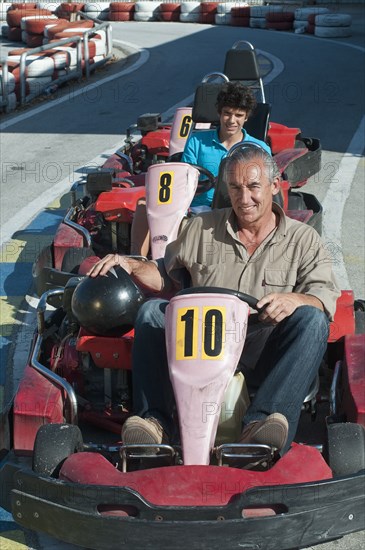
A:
[254,248]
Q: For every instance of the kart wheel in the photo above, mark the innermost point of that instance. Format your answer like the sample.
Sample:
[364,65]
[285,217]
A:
[345,448]
[74,257]
[45,259]
[53,444]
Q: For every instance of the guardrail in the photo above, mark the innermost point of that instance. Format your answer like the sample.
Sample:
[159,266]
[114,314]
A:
[82,53]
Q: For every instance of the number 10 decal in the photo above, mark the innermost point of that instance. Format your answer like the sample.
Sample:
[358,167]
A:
[165,187]
[213,320]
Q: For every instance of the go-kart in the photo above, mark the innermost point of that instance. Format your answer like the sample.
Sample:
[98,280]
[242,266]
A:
[99,222]
[68,473]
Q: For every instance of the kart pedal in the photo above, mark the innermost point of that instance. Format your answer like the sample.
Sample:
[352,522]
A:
[151,451]
[245,455]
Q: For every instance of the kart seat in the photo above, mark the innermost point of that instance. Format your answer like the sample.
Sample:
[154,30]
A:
[241,65]
[205,110]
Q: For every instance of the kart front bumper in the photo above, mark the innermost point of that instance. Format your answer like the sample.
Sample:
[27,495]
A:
[306,514]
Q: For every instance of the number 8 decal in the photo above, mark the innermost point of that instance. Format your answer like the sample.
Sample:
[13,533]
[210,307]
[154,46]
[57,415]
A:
[187,333]
[165,187]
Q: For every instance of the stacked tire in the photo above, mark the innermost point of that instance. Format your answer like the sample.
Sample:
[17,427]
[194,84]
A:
[258,15]
[223,15]
[14,17]
[331,25]
[190,12]
[208,12]
[52,30]
[301,18]
[147,11]
[121,11]
[66,9]
[240,16]
[38,73]
[33,28]
[97,10]
[10,90]
[281,21]
[170,11]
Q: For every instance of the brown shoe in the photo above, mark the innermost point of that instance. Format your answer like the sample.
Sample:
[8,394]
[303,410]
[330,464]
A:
[271,431]
[143,431]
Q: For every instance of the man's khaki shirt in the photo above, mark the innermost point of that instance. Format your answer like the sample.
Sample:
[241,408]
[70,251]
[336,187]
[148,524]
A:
[291,259]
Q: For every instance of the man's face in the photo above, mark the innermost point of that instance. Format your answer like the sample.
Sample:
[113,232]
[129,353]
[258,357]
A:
[251,191]
[231,120]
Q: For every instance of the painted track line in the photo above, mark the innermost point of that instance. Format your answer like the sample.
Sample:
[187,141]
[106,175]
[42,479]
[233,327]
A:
[335,201]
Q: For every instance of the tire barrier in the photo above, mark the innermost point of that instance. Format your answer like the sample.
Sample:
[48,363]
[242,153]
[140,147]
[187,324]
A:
[170,11]
[97,10]
[208,11]
[280,21]
[241,16]
[67,9]
[31,71]
[147,11]
[121,11]
[190,12]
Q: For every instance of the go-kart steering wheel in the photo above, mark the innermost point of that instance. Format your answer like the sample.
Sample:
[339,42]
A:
[205,185]
[250,300]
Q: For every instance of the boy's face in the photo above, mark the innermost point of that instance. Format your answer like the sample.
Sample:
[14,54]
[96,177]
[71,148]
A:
[232,120]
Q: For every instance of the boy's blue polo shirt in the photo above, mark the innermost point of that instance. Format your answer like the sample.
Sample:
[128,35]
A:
[204,149]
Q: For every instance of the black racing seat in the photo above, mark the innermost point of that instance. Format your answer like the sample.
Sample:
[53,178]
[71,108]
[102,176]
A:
[241,65]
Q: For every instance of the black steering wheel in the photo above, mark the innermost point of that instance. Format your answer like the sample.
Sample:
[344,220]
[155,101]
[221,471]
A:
[250,300]
[206,184]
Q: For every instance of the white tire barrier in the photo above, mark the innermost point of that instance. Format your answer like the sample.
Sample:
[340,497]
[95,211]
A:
[190,7]
[225,7]
[36,65]
[332,32]
[11,101]
[257,22]
[333,20]
[146,11]
[189,17]
[36,85]
[262,11]
[10,84]
[51,6]
[223,19]
[302,14]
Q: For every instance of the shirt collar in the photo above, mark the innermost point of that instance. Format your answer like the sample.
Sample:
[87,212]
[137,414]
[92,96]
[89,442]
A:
[216,135]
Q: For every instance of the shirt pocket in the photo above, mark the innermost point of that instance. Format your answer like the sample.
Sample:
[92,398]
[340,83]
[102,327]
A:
[279,280]
[207,275]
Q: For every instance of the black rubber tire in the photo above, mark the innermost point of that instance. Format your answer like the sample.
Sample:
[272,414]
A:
[44,259]
[74,257]
[345,448]
[53,444]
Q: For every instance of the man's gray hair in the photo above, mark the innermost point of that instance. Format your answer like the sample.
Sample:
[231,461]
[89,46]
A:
[243,153]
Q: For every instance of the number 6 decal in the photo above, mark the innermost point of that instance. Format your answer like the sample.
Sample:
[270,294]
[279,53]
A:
[185,126]
[212,337]
[165,187]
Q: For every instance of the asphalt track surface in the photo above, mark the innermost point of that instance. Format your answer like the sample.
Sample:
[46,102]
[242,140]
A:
[312,83]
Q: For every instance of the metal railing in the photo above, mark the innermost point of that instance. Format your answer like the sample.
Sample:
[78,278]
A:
[74,73]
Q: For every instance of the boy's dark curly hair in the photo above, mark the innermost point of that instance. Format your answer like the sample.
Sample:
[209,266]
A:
[236,96]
